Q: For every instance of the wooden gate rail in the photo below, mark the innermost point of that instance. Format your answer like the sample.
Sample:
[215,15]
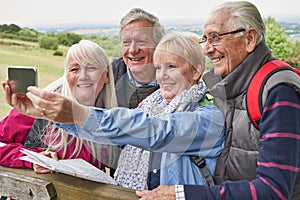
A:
[26,184]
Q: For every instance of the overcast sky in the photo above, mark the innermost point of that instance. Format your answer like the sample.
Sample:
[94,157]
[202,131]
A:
[43,12]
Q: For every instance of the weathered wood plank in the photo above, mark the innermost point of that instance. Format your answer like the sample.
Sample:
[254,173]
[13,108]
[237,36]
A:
[23,187]
[71,188]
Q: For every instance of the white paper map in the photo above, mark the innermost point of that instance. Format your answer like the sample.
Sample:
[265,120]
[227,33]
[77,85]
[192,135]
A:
[75,167]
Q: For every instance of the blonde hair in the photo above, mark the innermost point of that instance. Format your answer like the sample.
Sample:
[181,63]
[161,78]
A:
[85,52]
[185,45]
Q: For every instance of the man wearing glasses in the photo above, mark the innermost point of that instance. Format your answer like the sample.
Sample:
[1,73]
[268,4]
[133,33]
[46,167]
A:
[261,163]
[134,72]
[214,38]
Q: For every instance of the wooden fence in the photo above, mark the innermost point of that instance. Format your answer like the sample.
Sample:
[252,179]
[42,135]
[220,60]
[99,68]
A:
[25,184]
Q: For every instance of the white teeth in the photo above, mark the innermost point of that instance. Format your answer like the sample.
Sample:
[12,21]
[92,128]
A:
[136,59]
[166,85]
[84,85]
[216,60]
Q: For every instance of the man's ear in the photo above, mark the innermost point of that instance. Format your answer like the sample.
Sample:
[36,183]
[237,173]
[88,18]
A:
[251,39]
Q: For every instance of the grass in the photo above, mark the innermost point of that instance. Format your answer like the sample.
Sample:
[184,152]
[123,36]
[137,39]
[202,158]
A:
[18,53]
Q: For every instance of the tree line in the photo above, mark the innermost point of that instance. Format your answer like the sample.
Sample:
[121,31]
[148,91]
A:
[48,41]
[52,40]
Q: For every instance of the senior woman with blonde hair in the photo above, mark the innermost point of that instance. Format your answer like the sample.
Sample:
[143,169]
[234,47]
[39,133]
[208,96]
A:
[172,121]
[87,80]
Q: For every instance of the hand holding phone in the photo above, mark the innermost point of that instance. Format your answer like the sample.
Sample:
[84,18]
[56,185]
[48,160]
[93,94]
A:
[20,77]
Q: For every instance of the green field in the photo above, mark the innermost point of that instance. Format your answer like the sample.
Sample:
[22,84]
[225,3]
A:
[28,54]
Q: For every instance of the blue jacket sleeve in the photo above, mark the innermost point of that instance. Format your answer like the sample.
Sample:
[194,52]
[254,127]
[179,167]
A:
[182,132]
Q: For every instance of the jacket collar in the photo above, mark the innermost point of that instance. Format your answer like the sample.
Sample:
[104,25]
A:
[238,80]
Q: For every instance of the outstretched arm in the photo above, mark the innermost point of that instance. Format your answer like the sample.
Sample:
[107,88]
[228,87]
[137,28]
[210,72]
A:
[39,103]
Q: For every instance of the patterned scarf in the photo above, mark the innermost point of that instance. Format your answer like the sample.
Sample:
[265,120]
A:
[132,171]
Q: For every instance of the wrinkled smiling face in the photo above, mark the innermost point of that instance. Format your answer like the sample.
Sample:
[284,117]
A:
[86,81]
[173,74]
[230,51]
[138,45]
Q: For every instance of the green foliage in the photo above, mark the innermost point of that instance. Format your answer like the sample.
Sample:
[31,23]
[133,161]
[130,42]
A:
[12,28]
[208,64]
[68,39]
[48,43]
[111,44]
[277,40]
[13,31]
[51,35]
[58,53]
[3,28]
[294,58]
[27,32]
[17,37]
[280,45]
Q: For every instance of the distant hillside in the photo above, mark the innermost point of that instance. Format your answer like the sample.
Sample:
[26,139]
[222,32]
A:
[288,19]
[290,24]
[84,29]
[113,29]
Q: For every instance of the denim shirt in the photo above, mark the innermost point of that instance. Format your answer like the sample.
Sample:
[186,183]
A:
[177,135]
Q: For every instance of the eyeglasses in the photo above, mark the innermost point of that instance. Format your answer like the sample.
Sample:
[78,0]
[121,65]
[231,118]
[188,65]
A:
[214,38]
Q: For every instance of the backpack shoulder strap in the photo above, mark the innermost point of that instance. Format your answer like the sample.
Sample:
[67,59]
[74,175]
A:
[200,162]
[254,100]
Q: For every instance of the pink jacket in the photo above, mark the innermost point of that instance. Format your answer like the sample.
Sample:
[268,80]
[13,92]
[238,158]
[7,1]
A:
[14,129]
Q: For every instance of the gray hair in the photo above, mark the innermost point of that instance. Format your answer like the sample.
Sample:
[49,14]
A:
[243,15]
[185,45]
[136,14]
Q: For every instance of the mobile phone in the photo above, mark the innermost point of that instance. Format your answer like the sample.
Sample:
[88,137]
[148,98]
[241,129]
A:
[20,77]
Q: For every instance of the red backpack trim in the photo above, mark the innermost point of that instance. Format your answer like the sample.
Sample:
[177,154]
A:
[254,105]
